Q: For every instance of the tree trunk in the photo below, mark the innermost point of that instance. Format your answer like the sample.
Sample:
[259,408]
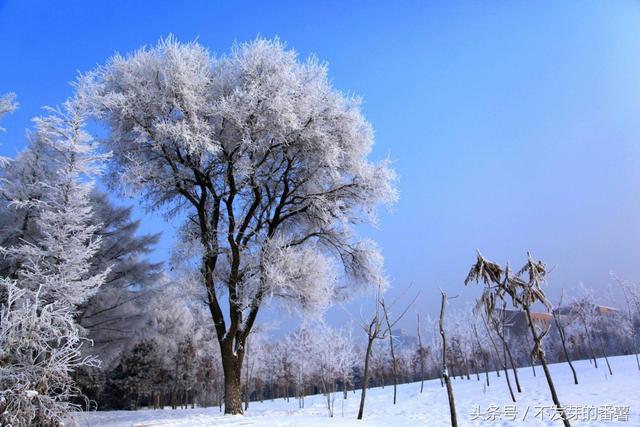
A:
[514,368]
[545,368]
[345,388]
[466,367]
[604,353]
[365,376]
[499,328]
[563,340]
[232,367]
[484,355]
[588,335]
[498,360]
[486,367]
[246,381]
[394,363]
[445,373]
[533,365]
[421,354]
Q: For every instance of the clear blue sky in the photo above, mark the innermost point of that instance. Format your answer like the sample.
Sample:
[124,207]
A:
[514,126]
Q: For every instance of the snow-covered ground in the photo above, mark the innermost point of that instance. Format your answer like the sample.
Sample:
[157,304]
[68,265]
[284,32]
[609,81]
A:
[598,392]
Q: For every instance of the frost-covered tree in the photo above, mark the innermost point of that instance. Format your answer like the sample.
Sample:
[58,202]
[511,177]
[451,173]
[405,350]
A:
[631,314]
[282,366]
[57,230]
[594,323]
[267,162]
[111,315]
[46,258]
[57,263]
[334,357]
[302,345]
[119,309]
[40,346]
[7,105]
[583,310]
[22,188]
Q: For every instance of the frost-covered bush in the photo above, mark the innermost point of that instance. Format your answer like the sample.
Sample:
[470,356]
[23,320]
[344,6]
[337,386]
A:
[40,347]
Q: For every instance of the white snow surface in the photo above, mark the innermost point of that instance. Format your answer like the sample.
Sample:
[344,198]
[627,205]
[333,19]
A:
[430,408]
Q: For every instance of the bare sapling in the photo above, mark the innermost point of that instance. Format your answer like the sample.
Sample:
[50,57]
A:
[531,358]
[422,354]
[581,311]
[499,322]
[563,338]
[482,352]
[500,285]
[632,300]
[379,328]
[500,362]
[445,372]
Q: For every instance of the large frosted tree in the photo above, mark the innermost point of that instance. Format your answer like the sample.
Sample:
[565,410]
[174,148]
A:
[266,162]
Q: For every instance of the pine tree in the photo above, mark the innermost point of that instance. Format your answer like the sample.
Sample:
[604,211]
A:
[48,276]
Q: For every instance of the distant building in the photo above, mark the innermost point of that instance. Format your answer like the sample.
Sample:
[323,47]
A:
[600,309]
[516,323]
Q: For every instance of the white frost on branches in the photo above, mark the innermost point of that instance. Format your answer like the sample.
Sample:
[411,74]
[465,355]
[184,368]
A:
[7,105]
[58,263]
[299,274]
[263,152]
[40,347]
[46,271]
[265,161]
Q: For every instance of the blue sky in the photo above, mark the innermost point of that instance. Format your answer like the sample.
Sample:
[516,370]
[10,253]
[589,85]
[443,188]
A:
[513,125]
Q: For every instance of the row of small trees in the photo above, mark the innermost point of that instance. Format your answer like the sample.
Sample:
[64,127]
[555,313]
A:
[574,326]
[317,359]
